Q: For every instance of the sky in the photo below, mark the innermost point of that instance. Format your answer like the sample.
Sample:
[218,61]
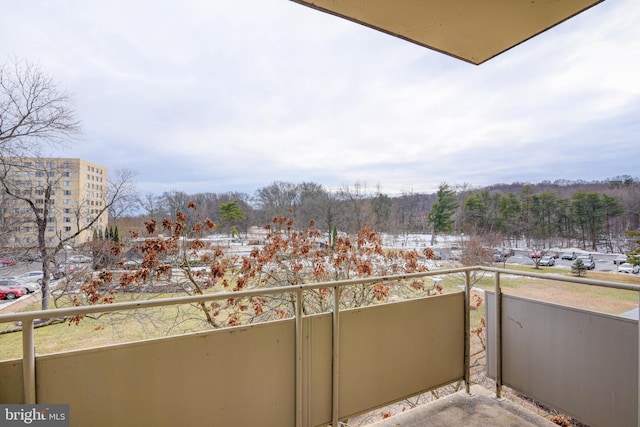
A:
[219,96]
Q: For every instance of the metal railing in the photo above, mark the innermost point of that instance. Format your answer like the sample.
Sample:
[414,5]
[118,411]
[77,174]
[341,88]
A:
[28,319]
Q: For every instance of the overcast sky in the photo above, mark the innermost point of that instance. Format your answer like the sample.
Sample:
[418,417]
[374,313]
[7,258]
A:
[217,96]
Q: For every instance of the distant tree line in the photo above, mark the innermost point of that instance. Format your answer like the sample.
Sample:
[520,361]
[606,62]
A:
[563,213]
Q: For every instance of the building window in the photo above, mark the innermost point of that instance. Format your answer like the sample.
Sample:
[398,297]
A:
[66,174]
[51,164]
[67,229]
[66,201]
[50,228]
[67,183]
[66,165]
[67,192]
[67,219]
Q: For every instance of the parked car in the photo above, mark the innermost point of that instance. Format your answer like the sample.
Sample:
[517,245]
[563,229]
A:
[9,293]
[584,256]
[498,257]
[80,259]
[29,257]
[547,261]
[31,276]
[628,268]
[620,259]
[7,261]
[588,263]
[536,254]
[501,255]
[28,287]
[569,255]
[553,254]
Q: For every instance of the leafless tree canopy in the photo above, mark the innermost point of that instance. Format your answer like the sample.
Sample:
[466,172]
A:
[32,110]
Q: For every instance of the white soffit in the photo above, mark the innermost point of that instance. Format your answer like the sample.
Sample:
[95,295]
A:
[472,30]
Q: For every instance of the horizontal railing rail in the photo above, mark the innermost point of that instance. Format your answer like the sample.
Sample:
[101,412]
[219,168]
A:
[123,306]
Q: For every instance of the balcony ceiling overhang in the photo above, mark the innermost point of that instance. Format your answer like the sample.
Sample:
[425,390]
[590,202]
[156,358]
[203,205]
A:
[472,30]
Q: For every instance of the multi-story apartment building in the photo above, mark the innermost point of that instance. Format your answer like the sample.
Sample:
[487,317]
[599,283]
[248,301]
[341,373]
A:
[74,191]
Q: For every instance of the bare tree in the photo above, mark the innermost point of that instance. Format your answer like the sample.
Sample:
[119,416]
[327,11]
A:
[356,199]
[34,115]
[277,199]
[127,199]
[33,110]
[32,184]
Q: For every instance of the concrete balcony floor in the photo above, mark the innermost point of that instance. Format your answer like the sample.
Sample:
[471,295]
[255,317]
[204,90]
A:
[479,409]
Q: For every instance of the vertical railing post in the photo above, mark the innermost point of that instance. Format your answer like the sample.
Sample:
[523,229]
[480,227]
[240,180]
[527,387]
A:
[498,316]
[335,412]
[28,363]
[299,342]
[638,397]
[467,332]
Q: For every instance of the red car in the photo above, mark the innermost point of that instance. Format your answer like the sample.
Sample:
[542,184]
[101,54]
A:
[9,292]
[7,261]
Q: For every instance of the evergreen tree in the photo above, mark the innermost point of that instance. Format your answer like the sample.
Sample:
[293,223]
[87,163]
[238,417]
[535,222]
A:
[509,211]
[381,206]
[441,215]
[634,256]
[230,213]
[578,268]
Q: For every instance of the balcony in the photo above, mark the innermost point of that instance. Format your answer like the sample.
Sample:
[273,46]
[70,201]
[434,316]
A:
[318,370]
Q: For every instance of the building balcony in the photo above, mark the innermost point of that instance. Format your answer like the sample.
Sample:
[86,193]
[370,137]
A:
[323,369]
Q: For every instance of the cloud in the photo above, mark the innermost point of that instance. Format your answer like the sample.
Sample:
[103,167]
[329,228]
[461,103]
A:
[231,96]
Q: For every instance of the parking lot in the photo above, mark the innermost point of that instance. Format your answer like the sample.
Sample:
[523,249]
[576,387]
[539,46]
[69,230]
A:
[603,262]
